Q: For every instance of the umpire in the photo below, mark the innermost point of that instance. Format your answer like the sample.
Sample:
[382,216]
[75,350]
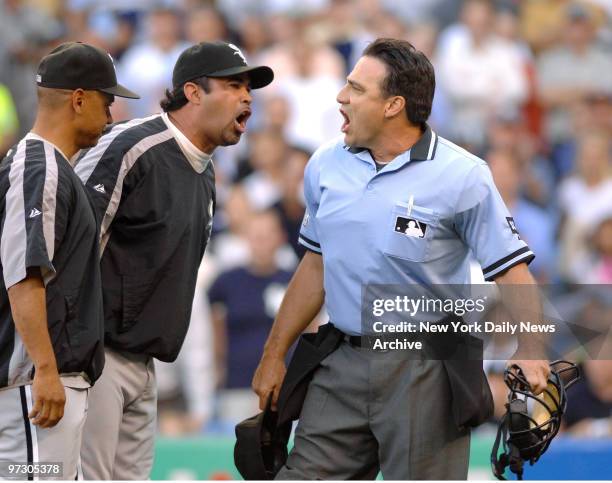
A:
[51,325]
[389,203]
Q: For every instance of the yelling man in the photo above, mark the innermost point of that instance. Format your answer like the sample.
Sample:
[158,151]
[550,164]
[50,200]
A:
[415,207]
[152,183]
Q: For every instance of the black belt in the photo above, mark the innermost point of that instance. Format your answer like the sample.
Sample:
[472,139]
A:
[354,340]
[360,340]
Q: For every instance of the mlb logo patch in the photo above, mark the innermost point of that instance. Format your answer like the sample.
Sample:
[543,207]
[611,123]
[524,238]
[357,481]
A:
[410,227]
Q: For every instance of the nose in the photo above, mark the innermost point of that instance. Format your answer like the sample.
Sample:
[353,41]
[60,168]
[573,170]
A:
[109,117]
[248,98]
[342,97]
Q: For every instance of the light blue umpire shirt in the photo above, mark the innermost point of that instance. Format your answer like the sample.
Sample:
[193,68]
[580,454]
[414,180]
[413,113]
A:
[420,220]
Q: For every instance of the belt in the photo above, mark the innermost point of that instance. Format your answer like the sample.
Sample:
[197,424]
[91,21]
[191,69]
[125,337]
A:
[360,340]
[364,342]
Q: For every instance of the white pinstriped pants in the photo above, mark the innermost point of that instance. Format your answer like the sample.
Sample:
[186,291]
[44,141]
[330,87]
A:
[23,442]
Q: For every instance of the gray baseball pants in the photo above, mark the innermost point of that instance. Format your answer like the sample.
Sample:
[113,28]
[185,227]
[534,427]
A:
[119,436]
[367,411]
[23,442]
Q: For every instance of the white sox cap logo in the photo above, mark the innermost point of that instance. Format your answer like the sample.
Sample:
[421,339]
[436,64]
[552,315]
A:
[238,52]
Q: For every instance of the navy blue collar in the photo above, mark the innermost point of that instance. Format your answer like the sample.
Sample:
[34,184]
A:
[423,150]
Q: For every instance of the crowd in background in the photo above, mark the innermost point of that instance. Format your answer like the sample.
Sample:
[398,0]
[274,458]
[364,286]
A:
[526,85]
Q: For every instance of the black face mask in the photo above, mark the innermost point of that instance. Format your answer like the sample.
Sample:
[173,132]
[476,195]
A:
[526,434]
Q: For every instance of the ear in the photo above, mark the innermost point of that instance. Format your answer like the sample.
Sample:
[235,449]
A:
[78,100]
[395,105]
[192,93]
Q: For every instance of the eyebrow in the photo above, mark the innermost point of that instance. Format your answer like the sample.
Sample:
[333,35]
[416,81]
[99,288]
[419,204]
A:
[352,83]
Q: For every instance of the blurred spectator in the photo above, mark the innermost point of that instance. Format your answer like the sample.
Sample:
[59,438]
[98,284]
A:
[508,132]
[268,155]
[311,95]
[287,34]
[584,198]
[601,262]
[229,247]
[594,113]
[480,73]
[294,7]
[291,206]
[276,114]
[589,409]
[205,24]
[26,34]
[186,387]
[507,27]
[572,71]
[443,12]
[532,222]
[9,124]
[253,36]
[147,67]
[594,262]
[542,22]
[244,302]
[124,35]
[600,111]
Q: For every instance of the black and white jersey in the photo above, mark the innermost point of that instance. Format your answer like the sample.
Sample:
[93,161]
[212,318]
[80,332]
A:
[47,222]
[156,212]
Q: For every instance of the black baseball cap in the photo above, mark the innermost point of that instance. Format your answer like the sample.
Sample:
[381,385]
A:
[261,445]
[75,65]
[217,59]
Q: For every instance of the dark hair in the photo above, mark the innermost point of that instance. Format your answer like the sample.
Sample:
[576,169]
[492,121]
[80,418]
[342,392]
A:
[176,99]
[409,74]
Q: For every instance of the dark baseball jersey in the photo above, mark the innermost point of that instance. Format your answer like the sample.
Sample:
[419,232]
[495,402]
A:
[156,212]
[48,223]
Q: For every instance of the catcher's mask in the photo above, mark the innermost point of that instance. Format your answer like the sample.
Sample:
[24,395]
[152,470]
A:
[530,422]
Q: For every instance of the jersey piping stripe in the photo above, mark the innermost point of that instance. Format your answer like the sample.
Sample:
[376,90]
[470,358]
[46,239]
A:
[33,428]
[13,240]
[526,257]
[128,161]
[432,145]
[505,260]
[90,159]
[27,429]
[304,241]
[49,204]
[311,242]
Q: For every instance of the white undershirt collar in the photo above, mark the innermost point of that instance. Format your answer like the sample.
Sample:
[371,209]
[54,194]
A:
[197,158]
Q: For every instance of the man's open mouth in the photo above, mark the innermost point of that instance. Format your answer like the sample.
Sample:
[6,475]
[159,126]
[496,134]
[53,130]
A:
[346,123]
[241,120]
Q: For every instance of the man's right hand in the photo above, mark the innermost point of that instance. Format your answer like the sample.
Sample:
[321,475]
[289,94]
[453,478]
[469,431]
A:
[268,379]
[301,304]
[49,398]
